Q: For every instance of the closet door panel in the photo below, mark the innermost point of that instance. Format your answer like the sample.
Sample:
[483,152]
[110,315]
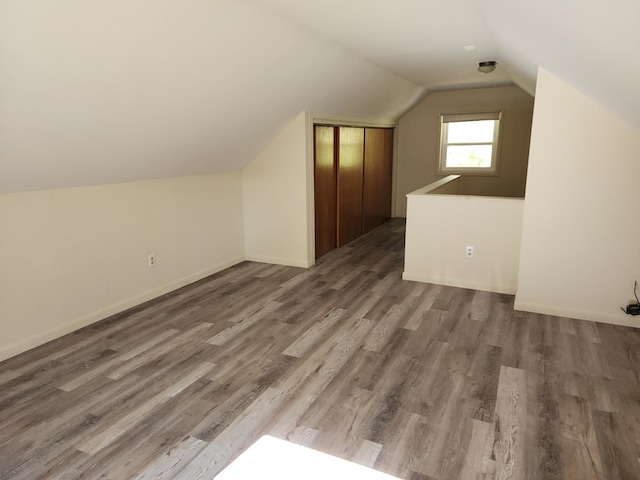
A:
[350,182]
[378,173]
[325,191]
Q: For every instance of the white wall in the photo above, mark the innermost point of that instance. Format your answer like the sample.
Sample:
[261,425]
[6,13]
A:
[73,256]
[440,227]
[275,190]
[164,89]
[581,235]
[418,141]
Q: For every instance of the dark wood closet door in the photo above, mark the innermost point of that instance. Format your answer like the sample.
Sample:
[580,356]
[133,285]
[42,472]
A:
[350,181]
[325,189]
[378,173]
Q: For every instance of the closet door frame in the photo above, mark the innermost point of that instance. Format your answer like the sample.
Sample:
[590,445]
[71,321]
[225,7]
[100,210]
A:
[377,188]
[349,225]
[350,170]
[325,189]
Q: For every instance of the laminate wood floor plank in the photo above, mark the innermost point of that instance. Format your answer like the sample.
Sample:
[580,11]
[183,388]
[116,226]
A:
[405,448]
[544,384]
[166,466]
[478,461]
[236,328]
[425,382]
[416,309]
[239,435]
[314,334]
[147,440]
[367,453]
[427,334]
[511,424]
[310,379]
[578,435]
[385,328]
[159,351]
[619,460]
[339,426]
[26,393]
[484,377]
[66,466]
[379,363]
[116,360]
[448,431]
[232,402]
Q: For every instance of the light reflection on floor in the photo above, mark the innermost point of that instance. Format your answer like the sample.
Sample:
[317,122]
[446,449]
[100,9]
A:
[272,458]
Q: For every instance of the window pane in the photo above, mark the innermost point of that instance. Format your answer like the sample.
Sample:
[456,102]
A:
[470,132]
[469,156]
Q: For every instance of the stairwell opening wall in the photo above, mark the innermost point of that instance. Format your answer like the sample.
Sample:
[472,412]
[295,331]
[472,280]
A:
[580,249]
[418,141]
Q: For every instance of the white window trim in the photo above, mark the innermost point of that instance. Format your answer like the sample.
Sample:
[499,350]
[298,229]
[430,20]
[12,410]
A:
[465,117]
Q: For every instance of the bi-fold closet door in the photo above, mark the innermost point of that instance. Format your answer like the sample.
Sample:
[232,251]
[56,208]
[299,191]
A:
[353,174]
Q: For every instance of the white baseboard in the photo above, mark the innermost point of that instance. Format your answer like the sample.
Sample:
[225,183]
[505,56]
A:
[60,330]
[614,318]
[453,282]
[288,262]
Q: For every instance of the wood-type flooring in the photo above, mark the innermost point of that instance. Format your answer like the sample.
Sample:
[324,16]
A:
[420,381]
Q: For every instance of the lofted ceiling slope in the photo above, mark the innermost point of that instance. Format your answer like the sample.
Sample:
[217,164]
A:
[112,91]
[122,90]
[588,43]
[421,40]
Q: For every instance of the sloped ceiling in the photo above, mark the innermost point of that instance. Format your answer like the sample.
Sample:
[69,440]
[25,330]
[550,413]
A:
[590,44]
[111,91]
[421,40]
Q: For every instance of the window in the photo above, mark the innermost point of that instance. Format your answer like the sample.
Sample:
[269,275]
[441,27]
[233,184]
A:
[469,144]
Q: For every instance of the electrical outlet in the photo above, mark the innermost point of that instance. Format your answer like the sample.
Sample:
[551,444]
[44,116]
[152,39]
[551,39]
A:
[469,251]
[151,260]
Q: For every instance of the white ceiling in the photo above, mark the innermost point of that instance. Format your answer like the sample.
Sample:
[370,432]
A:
[113,91]
[589,43]
[420,40]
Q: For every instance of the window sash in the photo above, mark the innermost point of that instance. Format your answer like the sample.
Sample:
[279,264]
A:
[455,144]
[468,117]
